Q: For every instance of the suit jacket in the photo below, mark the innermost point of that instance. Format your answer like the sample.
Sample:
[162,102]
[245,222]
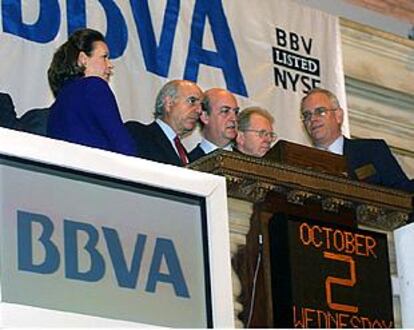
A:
[371,161]
[196,153]
[34,121]
[152,143]
[86,112]
[8,116]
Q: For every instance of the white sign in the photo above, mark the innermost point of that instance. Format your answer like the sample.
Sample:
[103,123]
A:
[82,241]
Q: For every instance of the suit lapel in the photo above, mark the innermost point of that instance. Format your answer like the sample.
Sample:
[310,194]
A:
[350,163]
[166,149]
[196,153]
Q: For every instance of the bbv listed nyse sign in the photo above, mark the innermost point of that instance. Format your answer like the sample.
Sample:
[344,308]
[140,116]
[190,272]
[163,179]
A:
[295,68]
[329,277]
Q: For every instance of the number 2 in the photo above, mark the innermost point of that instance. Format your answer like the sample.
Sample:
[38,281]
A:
[331,280]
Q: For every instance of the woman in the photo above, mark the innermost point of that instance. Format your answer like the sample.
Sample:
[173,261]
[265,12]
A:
[85,110]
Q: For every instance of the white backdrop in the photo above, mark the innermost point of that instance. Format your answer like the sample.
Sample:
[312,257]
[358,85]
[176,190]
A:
[268,52]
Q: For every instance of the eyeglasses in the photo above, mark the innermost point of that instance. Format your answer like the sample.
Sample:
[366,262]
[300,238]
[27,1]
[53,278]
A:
[306,116]
[263,133]
[224,111]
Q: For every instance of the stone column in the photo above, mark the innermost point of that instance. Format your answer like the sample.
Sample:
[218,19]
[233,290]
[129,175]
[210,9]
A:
[239,216]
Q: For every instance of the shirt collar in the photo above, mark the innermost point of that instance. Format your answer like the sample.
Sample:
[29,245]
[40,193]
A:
[168,131]
[337,147]
[208,146]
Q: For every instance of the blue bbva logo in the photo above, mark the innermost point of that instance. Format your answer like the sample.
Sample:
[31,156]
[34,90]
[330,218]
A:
[157,57]
[126,276]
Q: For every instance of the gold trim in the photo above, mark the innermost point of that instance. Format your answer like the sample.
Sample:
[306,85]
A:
[250,179]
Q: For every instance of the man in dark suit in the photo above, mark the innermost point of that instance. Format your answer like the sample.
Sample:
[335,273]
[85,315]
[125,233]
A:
[368,160]
[33,121]
[8,117]
[218,122]
[177,110]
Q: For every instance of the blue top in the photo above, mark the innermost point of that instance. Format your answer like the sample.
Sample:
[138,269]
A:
[86,112]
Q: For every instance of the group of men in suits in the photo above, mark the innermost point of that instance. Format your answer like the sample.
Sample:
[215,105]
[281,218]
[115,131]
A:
[181,104]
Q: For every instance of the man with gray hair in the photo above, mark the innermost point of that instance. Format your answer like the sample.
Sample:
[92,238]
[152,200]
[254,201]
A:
[217,121]
[368,160]
[256,135]
[177,110]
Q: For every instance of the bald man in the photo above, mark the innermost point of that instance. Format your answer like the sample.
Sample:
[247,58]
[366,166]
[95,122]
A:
[218,121]
[177,110]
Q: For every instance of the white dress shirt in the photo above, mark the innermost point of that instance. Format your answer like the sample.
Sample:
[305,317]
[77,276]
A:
[336,147]
[208,146]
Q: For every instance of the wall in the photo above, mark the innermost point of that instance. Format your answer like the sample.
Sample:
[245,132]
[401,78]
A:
[400,9]
[379,73]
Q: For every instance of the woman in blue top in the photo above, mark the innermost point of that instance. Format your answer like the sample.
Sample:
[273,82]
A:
[85,110]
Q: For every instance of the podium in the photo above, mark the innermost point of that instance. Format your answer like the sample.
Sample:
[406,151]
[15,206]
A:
[258,188]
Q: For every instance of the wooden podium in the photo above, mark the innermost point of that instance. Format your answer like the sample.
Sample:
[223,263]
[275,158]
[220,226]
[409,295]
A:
[259,188]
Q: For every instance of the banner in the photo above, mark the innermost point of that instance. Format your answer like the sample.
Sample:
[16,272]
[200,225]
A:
[268,53]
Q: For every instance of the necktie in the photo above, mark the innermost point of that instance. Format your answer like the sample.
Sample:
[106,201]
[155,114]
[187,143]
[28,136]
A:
[181,151]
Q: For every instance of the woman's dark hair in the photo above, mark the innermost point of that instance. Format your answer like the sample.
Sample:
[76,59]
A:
[64,64]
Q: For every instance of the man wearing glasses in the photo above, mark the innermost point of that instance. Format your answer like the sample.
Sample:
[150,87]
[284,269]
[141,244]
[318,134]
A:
[368,160]
[256,136]
[177,110]
[218,121]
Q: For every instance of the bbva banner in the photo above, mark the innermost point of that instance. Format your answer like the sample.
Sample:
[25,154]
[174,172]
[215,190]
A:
[268,52]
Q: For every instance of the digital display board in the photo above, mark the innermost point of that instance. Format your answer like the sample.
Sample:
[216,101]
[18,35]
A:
[328,276]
